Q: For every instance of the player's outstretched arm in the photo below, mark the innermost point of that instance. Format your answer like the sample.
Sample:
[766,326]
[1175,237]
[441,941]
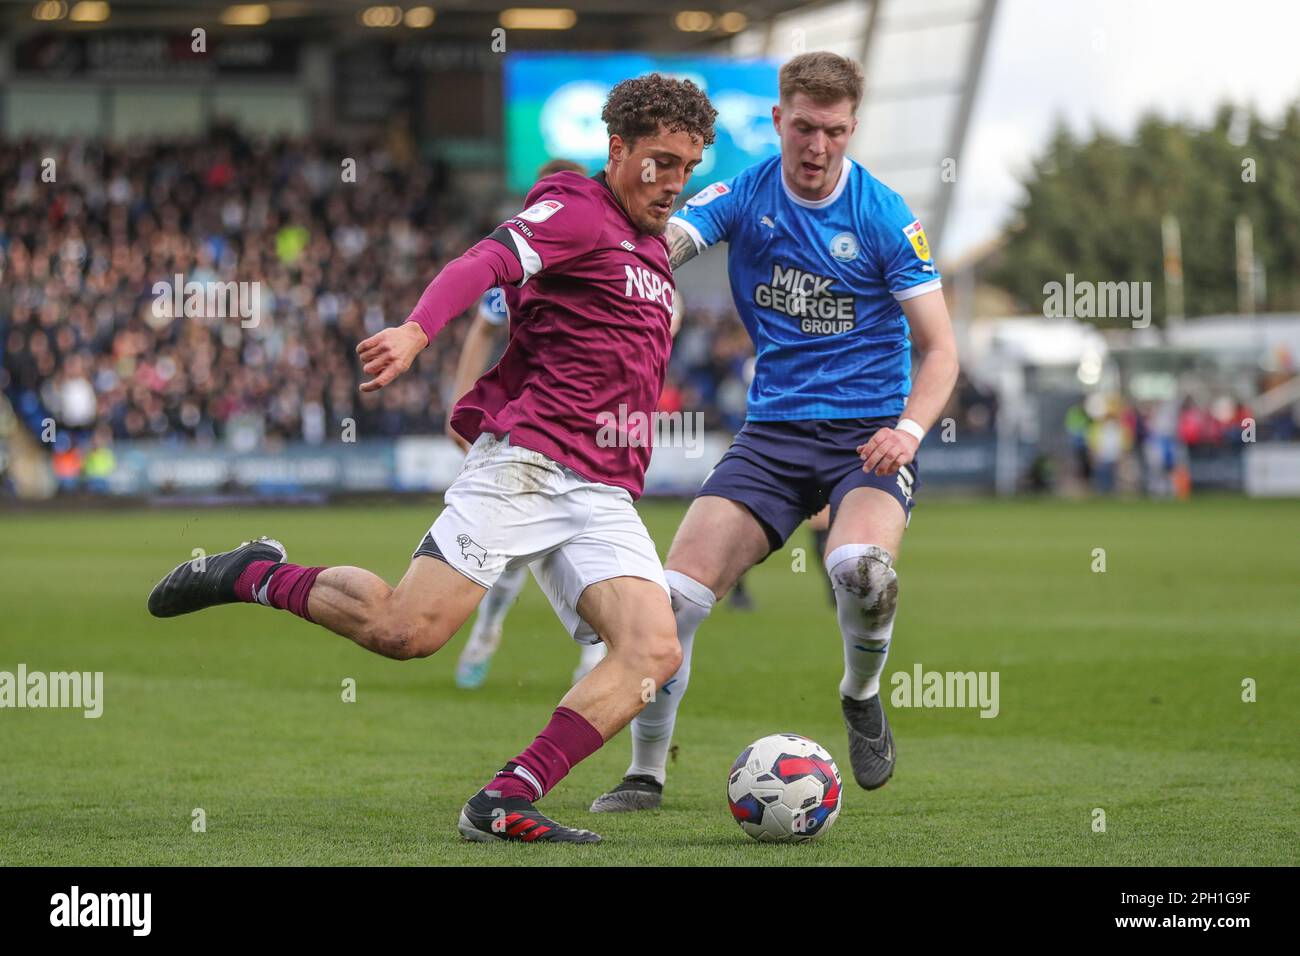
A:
[890,448]
[389,353]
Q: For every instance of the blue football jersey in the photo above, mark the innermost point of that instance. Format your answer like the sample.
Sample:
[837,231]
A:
[818,286]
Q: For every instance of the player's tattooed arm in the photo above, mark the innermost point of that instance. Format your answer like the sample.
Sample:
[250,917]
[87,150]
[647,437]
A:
[681,247]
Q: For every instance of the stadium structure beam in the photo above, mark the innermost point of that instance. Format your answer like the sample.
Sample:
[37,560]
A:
[873,17]
[961,119]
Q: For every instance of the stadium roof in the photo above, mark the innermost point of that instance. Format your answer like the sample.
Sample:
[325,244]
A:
[596,24]
[922,60]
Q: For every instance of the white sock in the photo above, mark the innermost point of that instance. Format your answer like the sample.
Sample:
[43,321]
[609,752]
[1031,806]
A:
[485,636]
[866,595]
[589,657]
[652,729]
[498,601]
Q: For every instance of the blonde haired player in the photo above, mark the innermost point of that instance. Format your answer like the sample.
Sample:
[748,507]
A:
[834,280]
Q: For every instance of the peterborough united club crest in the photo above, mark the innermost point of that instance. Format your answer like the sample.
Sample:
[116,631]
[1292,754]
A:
[844,247]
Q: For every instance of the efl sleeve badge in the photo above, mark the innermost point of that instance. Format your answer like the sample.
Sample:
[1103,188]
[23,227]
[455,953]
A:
[916,236]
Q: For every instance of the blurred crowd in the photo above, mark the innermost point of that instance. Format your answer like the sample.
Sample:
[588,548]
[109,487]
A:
[1147,447]
[336,261]
[87,229]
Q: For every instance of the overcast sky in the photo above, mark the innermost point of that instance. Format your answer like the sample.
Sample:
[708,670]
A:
[1109,61]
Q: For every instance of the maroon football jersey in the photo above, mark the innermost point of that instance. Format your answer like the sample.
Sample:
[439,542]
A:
[589,335]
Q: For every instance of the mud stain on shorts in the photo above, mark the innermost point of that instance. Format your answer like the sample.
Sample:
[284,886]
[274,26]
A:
[526,475]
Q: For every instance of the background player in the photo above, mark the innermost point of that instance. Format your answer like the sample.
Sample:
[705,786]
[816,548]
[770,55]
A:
[537,487]
[830,271]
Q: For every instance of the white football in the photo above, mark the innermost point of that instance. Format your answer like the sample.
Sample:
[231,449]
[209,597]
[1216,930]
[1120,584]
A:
[784,789]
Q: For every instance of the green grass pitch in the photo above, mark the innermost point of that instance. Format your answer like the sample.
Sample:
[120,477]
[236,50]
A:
[1119,690]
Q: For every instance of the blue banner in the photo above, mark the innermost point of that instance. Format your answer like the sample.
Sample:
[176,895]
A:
[553,103]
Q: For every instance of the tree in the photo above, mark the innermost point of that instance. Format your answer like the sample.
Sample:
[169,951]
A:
[1093,207]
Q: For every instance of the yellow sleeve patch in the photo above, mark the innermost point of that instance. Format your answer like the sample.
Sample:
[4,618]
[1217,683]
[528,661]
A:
[916,236]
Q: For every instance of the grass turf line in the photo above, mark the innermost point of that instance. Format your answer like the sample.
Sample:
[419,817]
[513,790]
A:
[1119,690]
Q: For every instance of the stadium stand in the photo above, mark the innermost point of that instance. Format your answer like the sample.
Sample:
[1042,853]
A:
[86,346]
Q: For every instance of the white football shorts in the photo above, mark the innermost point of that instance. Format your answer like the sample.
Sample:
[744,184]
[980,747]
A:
[513,506]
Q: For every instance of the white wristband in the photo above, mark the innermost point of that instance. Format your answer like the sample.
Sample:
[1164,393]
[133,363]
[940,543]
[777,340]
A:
[911,427]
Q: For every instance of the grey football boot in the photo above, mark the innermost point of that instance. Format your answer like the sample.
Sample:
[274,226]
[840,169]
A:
[871,744]
[633,793]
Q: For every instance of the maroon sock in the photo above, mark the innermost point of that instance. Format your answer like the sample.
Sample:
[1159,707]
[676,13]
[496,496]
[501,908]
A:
[277,584]
[567,740]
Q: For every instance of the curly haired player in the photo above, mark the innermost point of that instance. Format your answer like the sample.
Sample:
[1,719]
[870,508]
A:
[484,640]
[590,333]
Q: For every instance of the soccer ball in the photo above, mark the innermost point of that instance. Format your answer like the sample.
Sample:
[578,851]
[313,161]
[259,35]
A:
[784,789]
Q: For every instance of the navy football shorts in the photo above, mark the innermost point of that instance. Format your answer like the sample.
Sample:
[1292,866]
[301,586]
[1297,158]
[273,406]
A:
[786,472]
